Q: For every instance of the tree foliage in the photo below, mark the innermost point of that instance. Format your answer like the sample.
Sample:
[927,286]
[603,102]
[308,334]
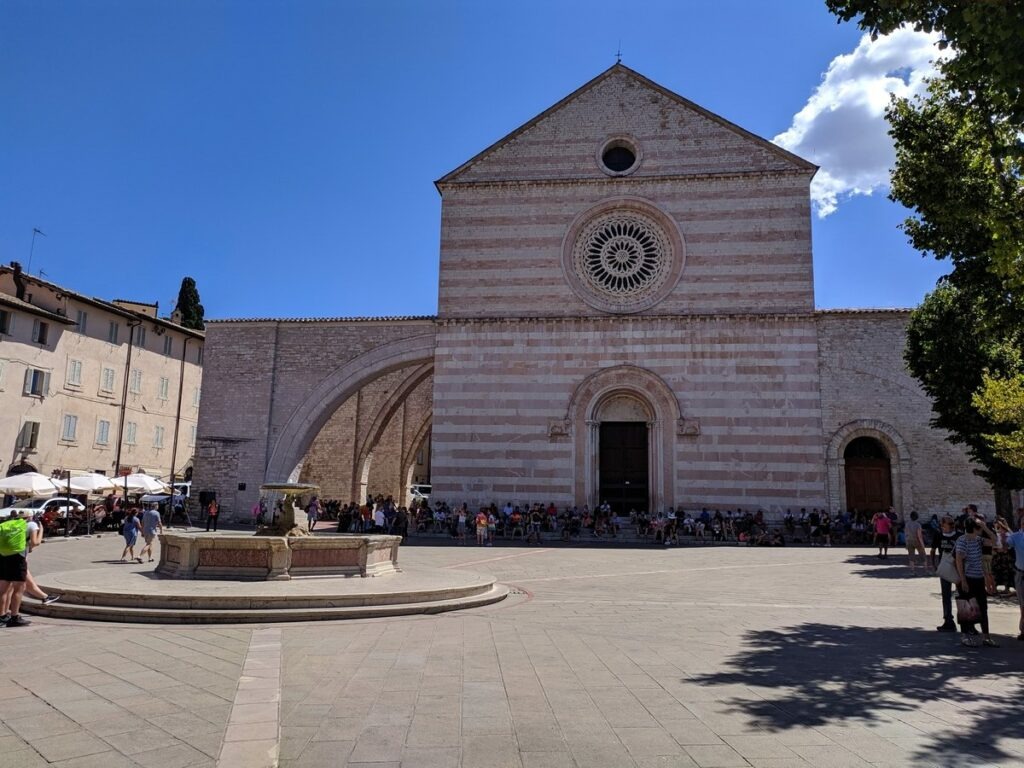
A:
[1001,400]
[950,353]
[986,35]
[188,306]
[955,170]
[959,154]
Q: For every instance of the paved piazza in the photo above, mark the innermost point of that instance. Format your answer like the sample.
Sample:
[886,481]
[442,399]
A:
[715,656]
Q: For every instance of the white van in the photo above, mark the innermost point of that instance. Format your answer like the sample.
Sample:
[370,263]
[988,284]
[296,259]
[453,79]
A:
[419,492]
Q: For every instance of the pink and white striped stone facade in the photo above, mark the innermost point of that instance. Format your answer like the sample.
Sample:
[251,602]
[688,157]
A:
[750,395]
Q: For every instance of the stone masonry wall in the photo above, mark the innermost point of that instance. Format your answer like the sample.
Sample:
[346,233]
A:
[864,379]
[256,374]
[330,461]
[676,137]
[751,383]
[741,206]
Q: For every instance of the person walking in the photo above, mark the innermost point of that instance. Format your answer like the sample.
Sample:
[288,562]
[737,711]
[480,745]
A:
[883,527]
[1014,541]
[212,513]
[13,569]
[460,524]
[914,535]
[312,513]
[481,528]
[943,544]
[130,530]
[972,583]
[151,526]
[401,527]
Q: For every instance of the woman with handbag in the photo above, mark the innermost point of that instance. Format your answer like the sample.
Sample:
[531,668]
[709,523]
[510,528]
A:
[972,600]
[944,544]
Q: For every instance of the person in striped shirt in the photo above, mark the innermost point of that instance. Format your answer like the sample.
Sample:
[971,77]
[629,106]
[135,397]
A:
[972,581]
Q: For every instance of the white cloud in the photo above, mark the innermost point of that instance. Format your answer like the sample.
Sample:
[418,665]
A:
[842,127]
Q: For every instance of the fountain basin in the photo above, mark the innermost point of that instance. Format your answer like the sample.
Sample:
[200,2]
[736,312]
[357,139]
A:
[275,558]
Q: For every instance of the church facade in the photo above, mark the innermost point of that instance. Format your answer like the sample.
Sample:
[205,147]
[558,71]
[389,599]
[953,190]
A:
[625,313]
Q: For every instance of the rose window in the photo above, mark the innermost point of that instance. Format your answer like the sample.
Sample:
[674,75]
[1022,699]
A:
[623,258]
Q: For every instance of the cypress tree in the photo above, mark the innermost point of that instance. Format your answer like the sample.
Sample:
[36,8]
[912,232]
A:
[190,309]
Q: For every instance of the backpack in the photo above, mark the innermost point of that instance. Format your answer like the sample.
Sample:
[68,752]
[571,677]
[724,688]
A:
[12,536]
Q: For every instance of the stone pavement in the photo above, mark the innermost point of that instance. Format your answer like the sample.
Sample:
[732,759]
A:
[603,657]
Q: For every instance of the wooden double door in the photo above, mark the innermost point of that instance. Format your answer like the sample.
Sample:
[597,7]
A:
[868,484]
[623,466]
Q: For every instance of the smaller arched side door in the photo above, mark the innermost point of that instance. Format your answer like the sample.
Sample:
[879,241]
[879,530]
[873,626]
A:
[868,475]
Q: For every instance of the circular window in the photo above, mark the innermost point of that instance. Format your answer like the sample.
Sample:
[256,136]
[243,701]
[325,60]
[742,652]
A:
[619,156]
[618,159]
[622,258]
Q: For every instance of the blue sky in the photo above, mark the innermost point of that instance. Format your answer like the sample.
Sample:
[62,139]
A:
[283,153]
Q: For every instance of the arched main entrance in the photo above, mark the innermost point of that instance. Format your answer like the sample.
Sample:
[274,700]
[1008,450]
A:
[868,475]
[649,419]
[624,453]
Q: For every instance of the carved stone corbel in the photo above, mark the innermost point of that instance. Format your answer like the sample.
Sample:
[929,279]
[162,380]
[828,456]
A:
[687,428]
[558,428]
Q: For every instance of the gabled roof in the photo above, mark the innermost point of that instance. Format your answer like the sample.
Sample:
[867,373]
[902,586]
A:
[103,304]
[620,68]
[357,319]
[15,303]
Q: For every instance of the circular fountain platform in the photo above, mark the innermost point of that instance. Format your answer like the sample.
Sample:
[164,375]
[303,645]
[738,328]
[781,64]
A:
[127,595]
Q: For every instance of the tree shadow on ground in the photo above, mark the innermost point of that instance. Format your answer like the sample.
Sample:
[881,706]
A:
[895,567]
[823,674]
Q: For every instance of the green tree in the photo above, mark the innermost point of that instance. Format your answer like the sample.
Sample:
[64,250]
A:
[951,354]
[958,169]
[985,35]
[188,306]
[1001,400]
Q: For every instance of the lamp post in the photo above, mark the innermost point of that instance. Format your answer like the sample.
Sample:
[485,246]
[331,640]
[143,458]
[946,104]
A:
[132,325]
[177,425]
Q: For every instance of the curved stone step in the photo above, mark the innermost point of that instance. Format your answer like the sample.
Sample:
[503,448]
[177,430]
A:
[186,601]
[155,615]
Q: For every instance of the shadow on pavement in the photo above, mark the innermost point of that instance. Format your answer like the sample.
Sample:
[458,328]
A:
[893,567]
[825,674]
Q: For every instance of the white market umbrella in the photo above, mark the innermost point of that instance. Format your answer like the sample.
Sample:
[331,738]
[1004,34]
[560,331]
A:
[89,484]
[28,484]
[140,483]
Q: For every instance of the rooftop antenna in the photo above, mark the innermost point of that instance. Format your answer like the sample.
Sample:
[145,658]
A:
[32,248]
[618,53]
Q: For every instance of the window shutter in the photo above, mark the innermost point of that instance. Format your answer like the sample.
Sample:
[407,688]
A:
[28,382]
[33,434]
[46,384]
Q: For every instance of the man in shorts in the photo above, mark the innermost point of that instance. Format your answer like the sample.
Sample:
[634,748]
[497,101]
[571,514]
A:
[151,527]
[914,535]
[13,575]
[882,526]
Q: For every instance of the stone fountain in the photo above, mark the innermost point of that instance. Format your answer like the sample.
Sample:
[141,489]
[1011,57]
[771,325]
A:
[279,551]
[281,573]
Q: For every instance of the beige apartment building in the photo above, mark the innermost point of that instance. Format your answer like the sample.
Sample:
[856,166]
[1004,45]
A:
[80,376]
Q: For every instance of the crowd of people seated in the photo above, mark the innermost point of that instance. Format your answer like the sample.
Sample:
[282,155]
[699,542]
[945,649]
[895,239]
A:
[534,521]
[529,521]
